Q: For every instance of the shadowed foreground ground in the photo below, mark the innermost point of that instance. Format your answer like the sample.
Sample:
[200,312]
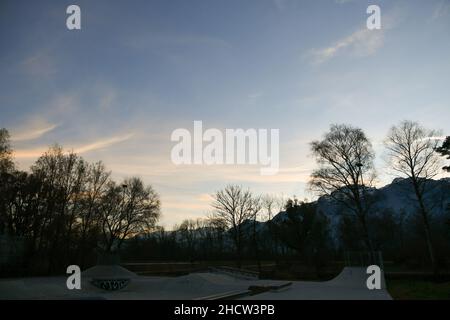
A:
[350,284]
[417,289]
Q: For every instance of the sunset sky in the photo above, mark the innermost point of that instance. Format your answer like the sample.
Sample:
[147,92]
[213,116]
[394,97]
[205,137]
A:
[137,70]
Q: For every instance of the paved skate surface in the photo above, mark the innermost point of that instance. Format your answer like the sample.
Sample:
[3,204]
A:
[349,284]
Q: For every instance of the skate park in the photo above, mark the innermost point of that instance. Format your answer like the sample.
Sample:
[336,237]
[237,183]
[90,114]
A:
[213,284]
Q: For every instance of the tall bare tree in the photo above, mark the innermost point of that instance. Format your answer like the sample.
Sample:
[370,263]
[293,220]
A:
[346,172]
[217,228]
[269,203]
[233,205]
[411,153]
[63,176]
[94,190]
[6,160]
[188,234]
[127,210]
[6,166]
[257,205]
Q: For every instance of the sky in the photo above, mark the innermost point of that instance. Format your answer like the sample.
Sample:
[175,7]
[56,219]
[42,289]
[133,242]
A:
[137,70]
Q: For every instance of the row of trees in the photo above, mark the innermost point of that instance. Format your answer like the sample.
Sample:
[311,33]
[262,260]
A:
[346,174]
[66,210]
[242,228]
[346,171]
[222,235]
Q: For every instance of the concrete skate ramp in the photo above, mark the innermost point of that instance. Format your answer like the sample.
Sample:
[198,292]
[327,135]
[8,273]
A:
[349,284]
[198,285]
[108,272]
[353,277]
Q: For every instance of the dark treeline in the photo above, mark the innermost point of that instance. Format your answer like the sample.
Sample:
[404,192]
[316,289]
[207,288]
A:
[68,211]
[301,233]
[242,225]
[244,231]
[65,211]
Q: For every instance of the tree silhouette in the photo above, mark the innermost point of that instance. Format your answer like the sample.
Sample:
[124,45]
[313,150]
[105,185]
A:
[6,161]
[444,150]
[127,210]
[411,150]
[234,206]
[346,172]
[65,208]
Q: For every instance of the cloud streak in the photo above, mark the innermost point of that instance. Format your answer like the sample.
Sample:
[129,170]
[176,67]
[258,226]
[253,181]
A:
[158,40]
[101,144]
[96,145]
[32,134]
[40,64]
[363,42]
[441,10]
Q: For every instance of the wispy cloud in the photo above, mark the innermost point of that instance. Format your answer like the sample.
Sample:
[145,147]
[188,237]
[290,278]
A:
[32,134]
[28,153]
[107,99]
[96,145]
[254,97]
[185,205]
[442,9]
[285,175]
[343,1]
[101,144]
[39,64]
[363,42]
[158,40]
[280,4]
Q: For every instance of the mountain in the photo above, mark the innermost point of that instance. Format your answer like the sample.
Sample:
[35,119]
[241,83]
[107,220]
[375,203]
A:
[398,197]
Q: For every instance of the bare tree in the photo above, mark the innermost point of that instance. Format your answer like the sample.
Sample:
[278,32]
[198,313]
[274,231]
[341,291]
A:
[281,202]
[95,188]
[127,210]
[160,233]
[6,160]
[188,232]
[257,205]
[63,175]
[234,206]
[217,228]
[346,172]
[411,153]
[6,166]
[269,203]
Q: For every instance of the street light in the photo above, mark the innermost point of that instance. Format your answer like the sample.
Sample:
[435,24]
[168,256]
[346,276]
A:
[360,165]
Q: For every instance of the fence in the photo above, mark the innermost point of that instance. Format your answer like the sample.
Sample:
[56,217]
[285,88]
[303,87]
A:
[363,258]
[11,250]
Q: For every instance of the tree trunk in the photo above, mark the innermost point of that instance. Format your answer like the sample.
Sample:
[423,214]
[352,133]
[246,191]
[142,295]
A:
[426,224]
[367,238]
[362,219]
[255,243]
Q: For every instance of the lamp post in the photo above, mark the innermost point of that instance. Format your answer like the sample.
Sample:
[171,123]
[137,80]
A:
[359,165]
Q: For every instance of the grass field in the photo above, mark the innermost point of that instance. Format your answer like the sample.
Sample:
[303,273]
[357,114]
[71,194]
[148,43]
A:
[418,290]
